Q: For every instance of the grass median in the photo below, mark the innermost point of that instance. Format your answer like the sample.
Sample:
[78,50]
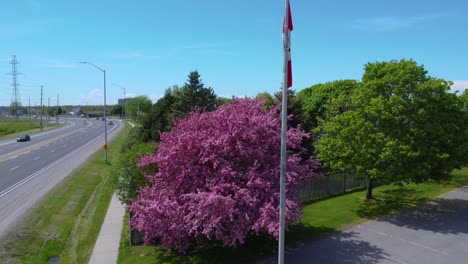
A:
[11,128]
[66,223]
[320,218]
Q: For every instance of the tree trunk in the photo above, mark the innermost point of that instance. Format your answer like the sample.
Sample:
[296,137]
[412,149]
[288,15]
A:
[370,185]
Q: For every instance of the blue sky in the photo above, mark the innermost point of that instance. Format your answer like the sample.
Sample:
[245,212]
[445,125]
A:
[147,46]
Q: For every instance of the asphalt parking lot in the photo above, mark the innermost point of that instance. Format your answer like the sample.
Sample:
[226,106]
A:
[433,232]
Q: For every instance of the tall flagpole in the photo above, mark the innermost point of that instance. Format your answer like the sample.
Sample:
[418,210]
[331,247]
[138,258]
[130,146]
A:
[284,115]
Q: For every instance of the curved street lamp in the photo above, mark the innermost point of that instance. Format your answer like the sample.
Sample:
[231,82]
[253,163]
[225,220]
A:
[105,107]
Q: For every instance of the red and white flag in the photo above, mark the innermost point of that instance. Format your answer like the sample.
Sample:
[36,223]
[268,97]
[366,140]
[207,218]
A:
[287,28]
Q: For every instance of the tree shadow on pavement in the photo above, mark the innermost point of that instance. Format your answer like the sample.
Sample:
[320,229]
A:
[256,248]
[339,248]
[446,216]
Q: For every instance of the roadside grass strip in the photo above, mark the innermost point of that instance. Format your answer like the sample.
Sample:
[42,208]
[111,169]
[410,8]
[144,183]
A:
[66,223]
[320,219]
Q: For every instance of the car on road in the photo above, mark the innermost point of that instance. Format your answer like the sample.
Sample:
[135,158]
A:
[23,138]
[103,119]
[110,123]
[97,118]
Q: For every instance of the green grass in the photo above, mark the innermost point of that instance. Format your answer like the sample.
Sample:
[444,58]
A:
[11,128]
[67,221]
[319,219]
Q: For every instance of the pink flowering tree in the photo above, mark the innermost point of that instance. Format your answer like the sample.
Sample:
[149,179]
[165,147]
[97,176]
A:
[218,178]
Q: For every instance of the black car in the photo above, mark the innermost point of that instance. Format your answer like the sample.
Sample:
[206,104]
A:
[23,138]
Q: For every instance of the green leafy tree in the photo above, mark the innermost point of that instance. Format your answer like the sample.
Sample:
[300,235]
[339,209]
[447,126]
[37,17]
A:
[17,107]
[138,106]
[270,101]
[404,126]
[127,177]
[117,110]
[294,108]
[52,111]
[316,99]
[222,100]
[464,100]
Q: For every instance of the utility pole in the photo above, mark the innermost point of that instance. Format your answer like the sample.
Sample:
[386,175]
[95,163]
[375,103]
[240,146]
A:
[42,108]
[29,111]
[57,111]
[48,112]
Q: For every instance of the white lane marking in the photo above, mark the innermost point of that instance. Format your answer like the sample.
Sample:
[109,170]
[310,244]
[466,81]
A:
[36,158]
[14,157]
[14,168]
[34,175]
[52,150]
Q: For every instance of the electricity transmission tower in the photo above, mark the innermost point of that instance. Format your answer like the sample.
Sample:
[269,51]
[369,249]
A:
[15,95]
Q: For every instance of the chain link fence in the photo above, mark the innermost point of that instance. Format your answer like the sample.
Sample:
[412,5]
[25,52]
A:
[328,185]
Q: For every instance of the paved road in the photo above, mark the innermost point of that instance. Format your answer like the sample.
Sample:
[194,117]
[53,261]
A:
[434,232]
[31,169]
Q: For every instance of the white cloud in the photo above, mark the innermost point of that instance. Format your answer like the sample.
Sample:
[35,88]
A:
[94,97]
[459,85]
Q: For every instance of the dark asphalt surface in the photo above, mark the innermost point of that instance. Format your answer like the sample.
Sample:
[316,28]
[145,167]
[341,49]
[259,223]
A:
[435,232]
[18,160]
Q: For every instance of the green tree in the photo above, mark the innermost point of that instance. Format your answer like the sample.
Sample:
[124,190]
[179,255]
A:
[159,119]
[270,101]
[294,109]
[138,106]
[52,111]
[17,107]
[117,110]
[127,177]
[316,99]
[464,100]
[222,100]
[404,126]
[194,94]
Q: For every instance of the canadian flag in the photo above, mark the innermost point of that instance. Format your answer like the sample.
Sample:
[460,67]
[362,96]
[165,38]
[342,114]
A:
[287,28]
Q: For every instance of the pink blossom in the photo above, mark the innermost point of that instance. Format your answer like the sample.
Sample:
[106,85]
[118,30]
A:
[218,178]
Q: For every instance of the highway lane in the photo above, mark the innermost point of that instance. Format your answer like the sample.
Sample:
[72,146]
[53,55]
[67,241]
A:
[46,167]
[7,146]
[41,151]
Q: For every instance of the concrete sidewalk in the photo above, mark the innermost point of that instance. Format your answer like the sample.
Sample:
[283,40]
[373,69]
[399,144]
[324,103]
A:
[106,249]
[431,233]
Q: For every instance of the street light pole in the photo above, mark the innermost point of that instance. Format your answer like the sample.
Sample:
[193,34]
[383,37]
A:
[105,115]
[105,107]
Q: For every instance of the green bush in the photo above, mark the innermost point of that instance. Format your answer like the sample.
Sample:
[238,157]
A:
[127,177]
